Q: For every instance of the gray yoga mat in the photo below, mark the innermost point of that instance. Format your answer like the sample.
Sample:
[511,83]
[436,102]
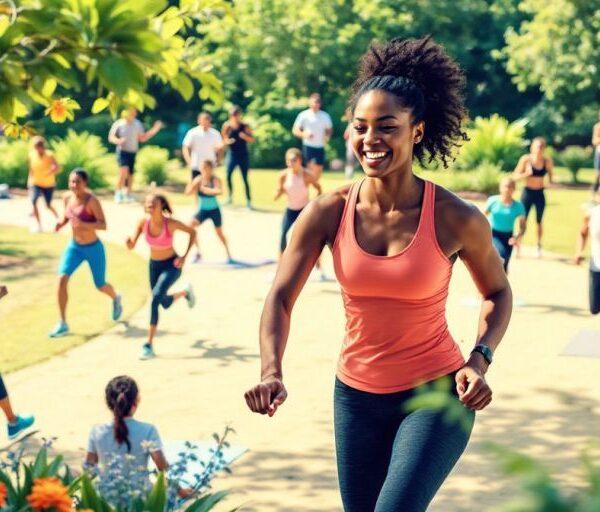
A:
[584,344]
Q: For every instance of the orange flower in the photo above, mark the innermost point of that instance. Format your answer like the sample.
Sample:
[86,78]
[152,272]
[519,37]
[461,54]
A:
[62,109]
[3,494]
[49,493]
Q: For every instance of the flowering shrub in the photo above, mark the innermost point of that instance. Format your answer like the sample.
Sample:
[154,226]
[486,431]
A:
[119,487]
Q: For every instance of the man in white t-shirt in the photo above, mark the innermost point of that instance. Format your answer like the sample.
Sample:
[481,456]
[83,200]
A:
[127,133]
[201,143]
[314,127]
[591,229]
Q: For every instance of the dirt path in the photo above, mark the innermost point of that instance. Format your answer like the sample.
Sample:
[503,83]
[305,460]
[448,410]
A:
[545,404]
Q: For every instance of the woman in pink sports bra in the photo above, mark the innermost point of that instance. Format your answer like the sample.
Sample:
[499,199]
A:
[83,210]
[158,227]
[394,239]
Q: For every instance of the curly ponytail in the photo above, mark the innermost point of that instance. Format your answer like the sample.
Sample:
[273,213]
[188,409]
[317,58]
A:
[425,80]
[121,394]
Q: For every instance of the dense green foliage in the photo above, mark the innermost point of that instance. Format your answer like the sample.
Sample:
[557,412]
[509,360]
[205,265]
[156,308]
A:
[492,140]
[152,162]
[574,158]
[115,48]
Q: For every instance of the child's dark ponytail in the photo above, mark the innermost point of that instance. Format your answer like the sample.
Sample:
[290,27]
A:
[121,395]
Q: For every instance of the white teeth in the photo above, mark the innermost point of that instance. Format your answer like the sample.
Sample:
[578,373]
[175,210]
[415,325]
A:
[373,155]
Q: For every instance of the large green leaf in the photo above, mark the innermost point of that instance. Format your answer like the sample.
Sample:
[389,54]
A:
[207,502]
[119,74]
[157,498]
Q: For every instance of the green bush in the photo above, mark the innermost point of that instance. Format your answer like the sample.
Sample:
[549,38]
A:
[485,179]
[574,158]
[272,139]
[151,162]
[86,151]
[13,164]
[493,140]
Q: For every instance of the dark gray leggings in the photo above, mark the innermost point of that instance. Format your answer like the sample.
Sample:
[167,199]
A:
[391,460]
[163,274]
[3,392]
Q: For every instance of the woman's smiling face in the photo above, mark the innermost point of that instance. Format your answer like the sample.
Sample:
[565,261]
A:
[383,135]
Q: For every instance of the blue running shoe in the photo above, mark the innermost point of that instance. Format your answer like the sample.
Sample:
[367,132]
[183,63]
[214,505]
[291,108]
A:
[22,423]
[189,295]
[61,329]
[117,308]
[147,352]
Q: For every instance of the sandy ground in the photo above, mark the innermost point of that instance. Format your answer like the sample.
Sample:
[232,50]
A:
[545,404]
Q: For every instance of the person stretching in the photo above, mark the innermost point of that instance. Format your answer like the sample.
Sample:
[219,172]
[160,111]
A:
[158,227]
[43,169]
[502,211]
[83,210]
[533,168]
[127,133]
[294,182]
[207,186]
[16,423]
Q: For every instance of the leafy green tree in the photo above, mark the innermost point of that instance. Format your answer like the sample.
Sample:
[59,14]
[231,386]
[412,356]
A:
[113,47]
[557,50]
[294,48]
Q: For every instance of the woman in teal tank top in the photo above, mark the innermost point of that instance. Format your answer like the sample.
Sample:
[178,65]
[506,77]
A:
[208,187]
[502,211]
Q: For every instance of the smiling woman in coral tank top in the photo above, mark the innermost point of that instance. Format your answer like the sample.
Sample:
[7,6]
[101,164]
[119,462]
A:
[395,238]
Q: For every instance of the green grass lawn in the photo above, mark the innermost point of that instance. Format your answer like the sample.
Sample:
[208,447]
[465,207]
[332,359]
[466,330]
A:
[28,266]
[562,218]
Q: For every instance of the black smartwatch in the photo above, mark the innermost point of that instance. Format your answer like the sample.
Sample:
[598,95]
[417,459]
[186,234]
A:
[485,351]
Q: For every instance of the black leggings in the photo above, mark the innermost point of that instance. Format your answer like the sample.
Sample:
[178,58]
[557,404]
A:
[289,217]
[163,274]
[243,161]
[391,459]
[500,241]
[594,292]
[534,197]
[3,392]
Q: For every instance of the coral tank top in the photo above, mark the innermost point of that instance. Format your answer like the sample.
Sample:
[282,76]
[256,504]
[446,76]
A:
[396,331]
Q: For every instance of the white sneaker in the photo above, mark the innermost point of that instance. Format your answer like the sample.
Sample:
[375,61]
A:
[36,229]
[118,196]
[538,251]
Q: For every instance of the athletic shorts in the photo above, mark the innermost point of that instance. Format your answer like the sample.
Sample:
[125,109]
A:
[317,155]
[195,173]
[75,254]
[597,158]
[126,159]
[214,215]
[45,192]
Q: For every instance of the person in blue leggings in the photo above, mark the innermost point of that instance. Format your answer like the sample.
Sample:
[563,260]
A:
[503,210]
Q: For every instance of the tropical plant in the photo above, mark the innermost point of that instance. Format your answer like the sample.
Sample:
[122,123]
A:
[45,47]
[152,162]
[85,151]
[494,140]
[49,484]
[21,482]
[485,178]
[574,158]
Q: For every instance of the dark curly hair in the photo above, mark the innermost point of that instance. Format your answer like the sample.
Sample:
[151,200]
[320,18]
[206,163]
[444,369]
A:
[426,80]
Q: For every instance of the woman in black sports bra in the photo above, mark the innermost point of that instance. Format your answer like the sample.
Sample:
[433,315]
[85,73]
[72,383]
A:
[534,168]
